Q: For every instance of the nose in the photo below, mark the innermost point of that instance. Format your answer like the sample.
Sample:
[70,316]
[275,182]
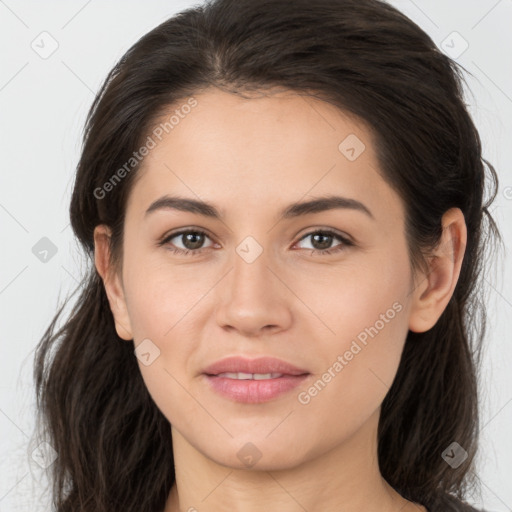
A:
[253,298]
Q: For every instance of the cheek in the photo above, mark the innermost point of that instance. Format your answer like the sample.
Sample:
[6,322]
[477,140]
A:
[357,373]
[366,310]
[360,297]
[161,296]
[161,303]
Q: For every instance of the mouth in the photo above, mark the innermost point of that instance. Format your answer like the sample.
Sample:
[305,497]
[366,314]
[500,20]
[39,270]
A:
[253,381]
[249,376]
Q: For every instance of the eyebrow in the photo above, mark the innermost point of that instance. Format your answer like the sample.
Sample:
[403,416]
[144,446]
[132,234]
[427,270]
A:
[292,211]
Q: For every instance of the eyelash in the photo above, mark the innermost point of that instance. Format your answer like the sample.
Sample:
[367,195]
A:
[184,252]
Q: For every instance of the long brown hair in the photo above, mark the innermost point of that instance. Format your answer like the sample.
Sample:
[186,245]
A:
[364,56]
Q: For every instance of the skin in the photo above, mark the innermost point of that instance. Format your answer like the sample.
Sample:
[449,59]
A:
[251,158]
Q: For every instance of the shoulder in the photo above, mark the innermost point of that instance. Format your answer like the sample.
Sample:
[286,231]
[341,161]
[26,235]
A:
[449,503]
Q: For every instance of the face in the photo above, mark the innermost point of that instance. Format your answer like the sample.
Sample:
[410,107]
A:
[325,289]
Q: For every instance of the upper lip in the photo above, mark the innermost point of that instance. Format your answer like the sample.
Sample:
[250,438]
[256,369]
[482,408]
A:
[236,364]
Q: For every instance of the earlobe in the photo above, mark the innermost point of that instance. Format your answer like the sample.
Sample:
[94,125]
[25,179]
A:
[435,288]
[111,281]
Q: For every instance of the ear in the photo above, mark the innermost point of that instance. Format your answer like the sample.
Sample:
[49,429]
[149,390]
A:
[111,281]
[434,289]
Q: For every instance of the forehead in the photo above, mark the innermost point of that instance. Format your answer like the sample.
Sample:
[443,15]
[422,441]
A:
[260,151]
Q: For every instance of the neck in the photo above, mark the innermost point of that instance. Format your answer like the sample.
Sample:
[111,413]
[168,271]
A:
[344,478]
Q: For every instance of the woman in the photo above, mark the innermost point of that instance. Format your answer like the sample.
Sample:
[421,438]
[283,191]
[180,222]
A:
[283,206]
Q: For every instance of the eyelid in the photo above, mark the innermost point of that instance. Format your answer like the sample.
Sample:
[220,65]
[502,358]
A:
[325,229]
[310,230]
[186,229]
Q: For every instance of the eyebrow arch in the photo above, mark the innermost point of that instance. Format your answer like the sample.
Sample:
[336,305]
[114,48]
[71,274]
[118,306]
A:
[293,210]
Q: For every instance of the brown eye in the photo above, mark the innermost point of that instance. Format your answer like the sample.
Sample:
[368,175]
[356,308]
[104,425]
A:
[322,240]
[191,241]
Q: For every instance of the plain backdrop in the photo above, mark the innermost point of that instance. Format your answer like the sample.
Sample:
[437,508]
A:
[45,91]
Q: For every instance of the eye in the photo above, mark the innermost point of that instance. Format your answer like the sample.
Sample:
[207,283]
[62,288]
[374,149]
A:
[192,242]
[190,239]
[322,240]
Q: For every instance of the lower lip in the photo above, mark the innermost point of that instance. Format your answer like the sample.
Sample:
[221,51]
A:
[254,391]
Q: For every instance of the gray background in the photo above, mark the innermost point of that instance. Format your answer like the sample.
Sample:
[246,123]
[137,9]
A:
[43,103]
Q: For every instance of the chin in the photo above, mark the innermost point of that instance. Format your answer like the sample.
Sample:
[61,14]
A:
[256,455]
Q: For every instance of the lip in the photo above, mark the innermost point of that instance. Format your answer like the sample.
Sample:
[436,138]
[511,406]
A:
[259,365]
[253,391]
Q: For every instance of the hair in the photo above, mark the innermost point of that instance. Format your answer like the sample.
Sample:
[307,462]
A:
[368,59]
